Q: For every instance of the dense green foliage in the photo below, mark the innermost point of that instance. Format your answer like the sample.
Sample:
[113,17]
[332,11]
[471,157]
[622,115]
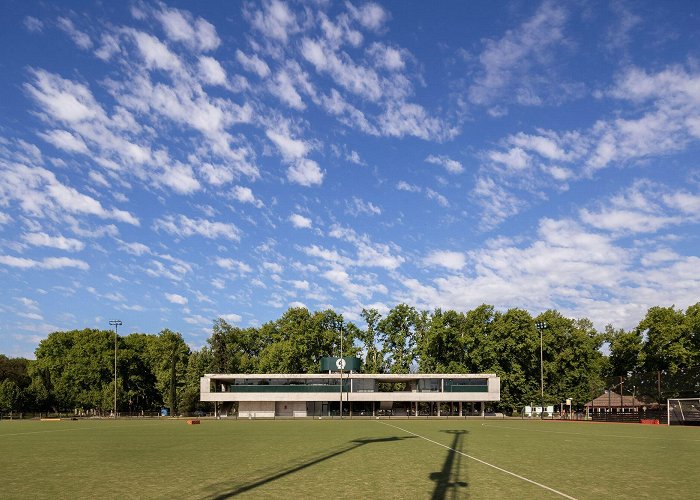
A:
[74,370]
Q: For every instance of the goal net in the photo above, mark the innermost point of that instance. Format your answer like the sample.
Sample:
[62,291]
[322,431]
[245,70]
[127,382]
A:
[684,411]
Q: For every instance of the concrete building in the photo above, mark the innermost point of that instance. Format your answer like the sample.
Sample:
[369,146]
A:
[307,395]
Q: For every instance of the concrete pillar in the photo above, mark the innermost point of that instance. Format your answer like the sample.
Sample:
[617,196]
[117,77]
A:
[481,404]
[460,408]
[438,408]
[373,414]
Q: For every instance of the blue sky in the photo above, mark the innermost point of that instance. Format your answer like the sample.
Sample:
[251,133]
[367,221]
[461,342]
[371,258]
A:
[170,163]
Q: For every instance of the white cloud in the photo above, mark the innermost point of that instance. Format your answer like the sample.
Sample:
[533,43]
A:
[288,147]
[46,263]
[82,40]
[355,78]
[452,166]
[497,203]
[109,46]
[181,26]
[33,24]
[300,284]
[386,57]
[354,157]
[546,145]
[370,15]
[33,316]
[645,207]
[155,53]
[405,186]
[305,172]
[231,318]
[283,87]
[59,242]
[216,175]
[253,64]
[135,248]
[183,226]
[369,254]
[38,192]
[273,267]
[245,195]
[511,67]
[403,118]
[64,100]
[434,195]
[275,21]
[514,159]
[299,221]
[211,71]
[66,141]
[357,206]
[180,178]
[176,299]
[233,265]
[30,304]
[444,258]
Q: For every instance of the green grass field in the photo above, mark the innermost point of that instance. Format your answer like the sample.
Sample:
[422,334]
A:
[343,459]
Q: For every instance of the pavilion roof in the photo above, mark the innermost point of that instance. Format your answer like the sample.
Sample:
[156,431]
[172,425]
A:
[612,399]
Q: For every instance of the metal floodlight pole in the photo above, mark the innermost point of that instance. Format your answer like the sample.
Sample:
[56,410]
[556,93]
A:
[340,364]
[541,326]
[115,323]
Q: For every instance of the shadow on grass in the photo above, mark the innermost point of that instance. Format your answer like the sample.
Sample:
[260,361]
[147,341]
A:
[352,445]
[447,481]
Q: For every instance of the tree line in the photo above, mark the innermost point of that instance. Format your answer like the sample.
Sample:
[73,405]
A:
[74,370]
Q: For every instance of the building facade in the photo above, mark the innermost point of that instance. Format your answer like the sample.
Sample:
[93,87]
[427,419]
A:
[352,394]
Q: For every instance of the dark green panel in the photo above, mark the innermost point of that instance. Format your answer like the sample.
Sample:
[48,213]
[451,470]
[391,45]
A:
[351,364]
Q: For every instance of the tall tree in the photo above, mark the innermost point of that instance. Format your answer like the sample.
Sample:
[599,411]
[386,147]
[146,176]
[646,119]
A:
[398,335]
[625,348]
[168,356]
[669,343]
[374,355]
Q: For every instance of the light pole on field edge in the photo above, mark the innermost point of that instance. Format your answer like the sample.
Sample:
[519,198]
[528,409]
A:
[340,365]
[541,326]
[115,323]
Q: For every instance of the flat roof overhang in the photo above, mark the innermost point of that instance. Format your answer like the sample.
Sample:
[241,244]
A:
[382,377]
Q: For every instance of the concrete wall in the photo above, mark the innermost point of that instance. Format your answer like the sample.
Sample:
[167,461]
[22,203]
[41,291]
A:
[256,409]
[290,408]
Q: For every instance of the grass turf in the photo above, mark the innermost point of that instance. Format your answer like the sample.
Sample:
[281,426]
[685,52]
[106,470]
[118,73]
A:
[350,458]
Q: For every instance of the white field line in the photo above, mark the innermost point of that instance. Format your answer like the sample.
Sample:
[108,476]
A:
[622,436]
[64,430]
[44,432]
[484,463]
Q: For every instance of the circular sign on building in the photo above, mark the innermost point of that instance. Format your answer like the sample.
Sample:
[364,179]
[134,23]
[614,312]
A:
[340,363]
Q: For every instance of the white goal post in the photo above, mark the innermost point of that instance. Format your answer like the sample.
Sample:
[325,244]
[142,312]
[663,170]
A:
[683,411]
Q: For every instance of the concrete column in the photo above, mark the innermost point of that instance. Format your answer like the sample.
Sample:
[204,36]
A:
[438,408]
[373,414]
[482,407]
[460,408]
